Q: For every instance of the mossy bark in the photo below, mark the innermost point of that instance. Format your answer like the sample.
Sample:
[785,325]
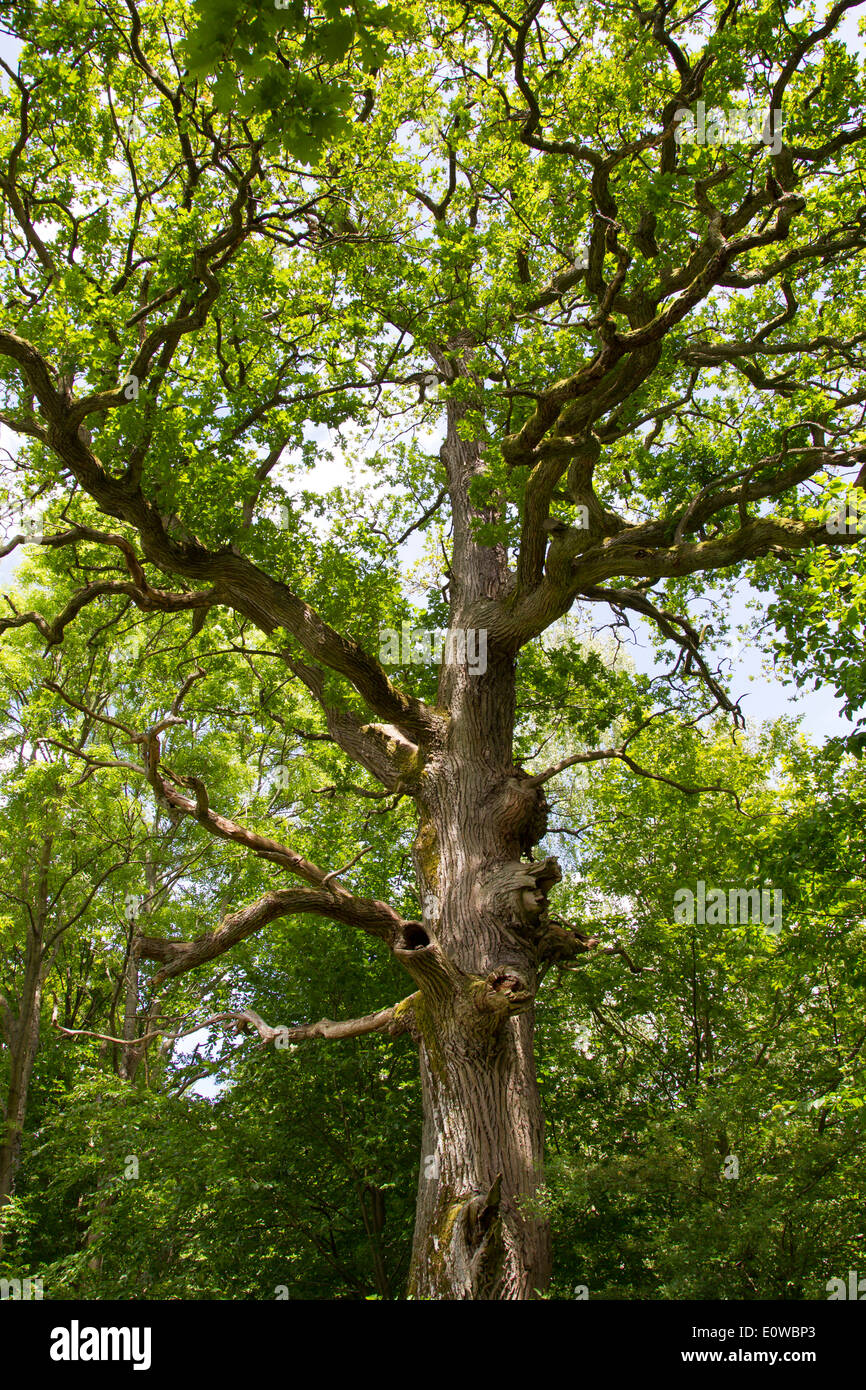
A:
[477,1235]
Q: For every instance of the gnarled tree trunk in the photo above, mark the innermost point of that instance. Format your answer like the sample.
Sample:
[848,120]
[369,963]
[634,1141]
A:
[476,953]
[475,957]
[476,1235]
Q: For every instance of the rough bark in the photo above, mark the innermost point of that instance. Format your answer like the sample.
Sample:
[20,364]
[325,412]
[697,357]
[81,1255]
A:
[476,1235]
[475,958]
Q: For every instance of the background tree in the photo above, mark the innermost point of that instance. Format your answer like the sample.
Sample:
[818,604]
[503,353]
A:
[708,1143]
[62,855]
[114,1198]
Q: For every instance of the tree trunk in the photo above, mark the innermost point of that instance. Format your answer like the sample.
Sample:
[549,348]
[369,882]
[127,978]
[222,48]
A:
[476,1236]
[23,1034]
[476,953]
[23,1050]
[475,957]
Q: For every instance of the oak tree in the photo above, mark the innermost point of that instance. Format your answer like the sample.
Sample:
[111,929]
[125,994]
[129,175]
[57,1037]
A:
[636,314]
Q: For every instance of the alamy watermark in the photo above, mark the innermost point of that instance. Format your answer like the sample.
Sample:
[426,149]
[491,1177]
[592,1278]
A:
[77,1343]
[21,1289]
[849,518]
[27,520]
[431,646]
[736,906]
[736,127]
[132,905]
[838,1289]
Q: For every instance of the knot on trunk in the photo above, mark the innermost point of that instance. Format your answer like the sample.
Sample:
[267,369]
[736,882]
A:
[518,891]
[477,1247]
[422,956]
[502,992]
[457,994]
[558,940]
[522,813]
[412,936]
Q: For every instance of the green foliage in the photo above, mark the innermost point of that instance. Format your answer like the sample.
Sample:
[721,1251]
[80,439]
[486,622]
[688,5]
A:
[322,193]
[731,1043]
[292,63]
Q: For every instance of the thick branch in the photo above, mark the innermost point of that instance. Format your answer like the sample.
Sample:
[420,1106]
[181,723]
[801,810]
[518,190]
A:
[373,917]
